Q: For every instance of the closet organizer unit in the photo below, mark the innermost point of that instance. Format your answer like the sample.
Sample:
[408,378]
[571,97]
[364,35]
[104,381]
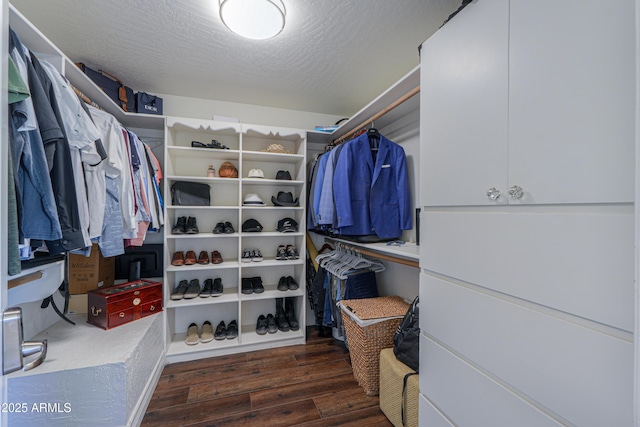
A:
[246,145]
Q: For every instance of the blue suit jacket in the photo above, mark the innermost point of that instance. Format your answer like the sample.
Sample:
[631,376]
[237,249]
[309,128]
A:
[372,198]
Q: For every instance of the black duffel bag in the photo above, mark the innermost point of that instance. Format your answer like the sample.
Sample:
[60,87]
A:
[112,86]
[406,340]
[185,193]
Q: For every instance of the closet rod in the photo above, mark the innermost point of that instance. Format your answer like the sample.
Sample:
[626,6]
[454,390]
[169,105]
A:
[378,255]
[379,114]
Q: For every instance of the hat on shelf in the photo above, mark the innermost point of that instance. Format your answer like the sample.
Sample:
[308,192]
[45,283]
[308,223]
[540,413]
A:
[284,199]
[276,148]
[252,199]
[283,175]
[256,173]
[251,225]
[228,170]
[287,225]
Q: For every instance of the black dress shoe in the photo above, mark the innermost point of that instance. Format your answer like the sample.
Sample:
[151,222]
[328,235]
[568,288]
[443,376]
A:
[282,284]
[219,228]
[192,227]
[181,226]
[247,285]
[292,285]
[261,326]
[228,228]
[258,288]
[272,326]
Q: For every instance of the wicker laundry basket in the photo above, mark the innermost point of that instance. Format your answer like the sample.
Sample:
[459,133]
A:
[369,325]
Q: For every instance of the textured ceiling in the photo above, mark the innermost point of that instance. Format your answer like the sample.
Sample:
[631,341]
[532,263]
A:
[333,57]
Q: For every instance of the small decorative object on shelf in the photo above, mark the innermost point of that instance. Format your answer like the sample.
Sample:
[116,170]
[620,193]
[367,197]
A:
[211,172]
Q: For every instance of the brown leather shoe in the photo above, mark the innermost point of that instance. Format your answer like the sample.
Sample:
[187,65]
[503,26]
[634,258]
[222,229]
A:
[190,258]
[203,258]
[216,258]
[178,258]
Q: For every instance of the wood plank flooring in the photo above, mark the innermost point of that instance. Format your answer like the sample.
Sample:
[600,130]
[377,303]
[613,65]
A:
[308,385]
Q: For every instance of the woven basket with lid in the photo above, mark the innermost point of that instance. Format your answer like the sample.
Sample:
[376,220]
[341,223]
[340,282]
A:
[370,324]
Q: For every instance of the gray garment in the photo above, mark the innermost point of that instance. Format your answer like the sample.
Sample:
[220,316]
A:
[111,242]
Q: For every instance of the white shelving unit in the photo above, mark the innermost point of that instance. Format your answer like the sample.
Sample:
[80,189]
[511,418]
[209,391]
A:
[186,163]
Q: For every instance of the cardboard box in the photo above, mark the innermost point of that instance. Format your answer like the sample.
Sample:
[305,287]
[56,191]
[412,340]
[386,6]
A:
[78,304]
[90,273]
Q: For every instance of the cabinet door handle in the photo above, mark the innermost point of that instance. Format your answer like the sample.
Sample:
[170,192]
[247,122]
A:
[516,192]
[493,194]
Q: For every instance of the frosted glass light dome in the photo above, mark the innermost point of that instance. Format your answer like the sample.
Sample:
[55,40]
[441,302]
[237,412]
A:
[253,19]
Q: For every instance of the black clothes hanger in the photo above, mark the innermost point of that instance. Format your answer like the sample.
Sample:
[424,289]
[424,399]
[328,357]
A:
[374,137]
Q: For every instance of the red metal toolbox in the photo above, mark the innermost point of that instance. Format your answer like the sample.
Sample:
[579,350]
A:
[120,304]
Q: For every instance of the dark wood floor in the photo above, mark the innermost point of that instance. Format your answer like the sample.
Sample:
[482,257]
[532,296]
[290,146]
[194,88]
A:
[305,385]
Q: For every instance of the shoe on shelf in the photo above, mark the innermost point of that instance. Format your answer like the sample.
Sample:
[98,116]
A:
[193,290]
[203,258]
[190,258]
[232,330]
[193,337]
[256,255]
[272,326]
[217,288]
[282,284]
[261,326]
[207,332]
[181,226]
[247,285]
[292,252]
[228,228]
[258,288]
[281,318]
[281,254]
[216,257]
[246,255]
[292,285]
[221,331]
[290,313]
[219,228]
[198,144]
[192,227]
[178,259]
[207,288]
[178,292]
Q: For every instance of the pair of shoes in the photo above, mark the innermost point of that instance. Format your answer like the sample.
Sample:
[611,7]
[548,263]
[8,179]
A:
[226,332]
[185,225]
[287,284]
[212,288]
[186,290]
[252,285]
[251,255]
[288,252]
[285,314]
[179,258]
[266,324]
[194,337]
[223,228]
[216,258]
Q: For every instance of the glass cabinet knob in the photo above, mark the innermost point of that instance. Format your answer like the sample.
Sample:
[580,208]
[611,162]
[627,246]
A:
[493,194]
[516,192]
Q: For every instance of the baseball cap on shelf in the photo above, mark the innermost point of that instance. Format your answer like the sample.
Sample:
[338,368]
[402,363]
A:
[283,175]
[284,199]
[252,199]
[256,173]
[251,225]
[287,225]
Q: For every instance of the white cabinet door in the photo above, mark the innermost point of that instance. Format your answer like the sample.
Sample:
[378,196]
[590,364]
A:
[571,100]
[463,108]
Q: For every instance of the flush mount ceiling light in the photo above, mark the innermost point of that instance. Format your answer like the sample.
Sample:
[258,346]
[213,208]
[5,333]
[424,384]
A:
[253,19]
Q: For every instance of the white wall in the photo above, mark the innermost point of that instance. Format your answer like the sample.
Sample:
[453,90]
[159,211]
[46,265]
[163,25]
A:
[254,114]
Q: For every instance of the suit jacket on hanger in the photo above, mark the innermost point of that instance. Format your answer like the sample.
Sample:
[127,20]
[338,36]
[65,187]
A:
[372,197]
